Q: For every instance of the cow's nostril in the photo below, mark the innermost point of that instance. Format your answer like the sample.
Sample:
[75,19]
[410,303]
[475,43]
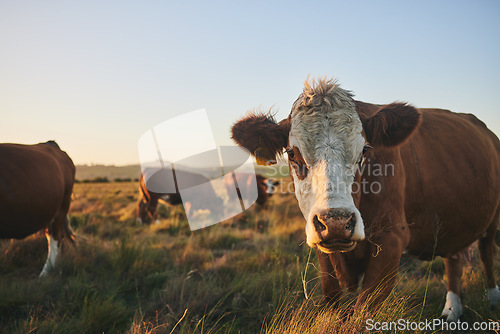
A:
[318,225]
[351,223]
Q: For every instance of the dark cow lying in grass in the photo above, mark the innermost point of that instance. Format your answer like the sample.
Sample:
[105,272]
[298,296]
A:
[36,183]
[375,180]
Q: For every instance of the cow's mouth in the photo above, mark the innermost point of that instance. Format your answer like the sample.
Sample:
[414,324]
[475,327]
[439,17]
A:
[336,245]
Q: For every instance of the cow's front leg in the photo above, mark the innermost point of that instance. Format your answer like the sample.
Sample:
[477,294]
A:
[339,271]
[381,271]
[453,308]
[151,207]
[329,282]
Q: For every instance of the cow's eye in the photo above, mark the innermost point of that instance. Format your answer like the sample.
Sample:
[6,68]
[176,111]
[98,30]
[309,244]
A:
[365,149]
[362,158]
[297,162]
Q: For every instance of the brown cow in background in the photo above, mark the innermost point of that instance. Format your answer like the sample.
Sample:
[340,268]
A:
[36,183]
[148,200]
[265,186]
[375,180]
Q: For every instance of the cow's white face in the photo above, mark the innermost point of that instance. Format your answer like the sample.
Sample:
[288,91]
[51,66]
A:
[325,148]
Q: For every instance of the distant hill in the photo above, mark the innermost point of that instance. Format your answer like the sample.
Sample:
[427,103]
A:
[85,172]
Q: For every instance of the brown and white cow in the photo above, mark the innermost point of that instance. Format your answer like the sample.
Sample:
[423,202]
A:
[36,183]
[148,202]
[375,180]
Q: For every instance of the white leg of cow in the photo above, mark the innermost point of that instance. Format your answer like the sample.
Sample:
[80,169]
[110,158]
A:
[453,308]
[494,296]
[53,246]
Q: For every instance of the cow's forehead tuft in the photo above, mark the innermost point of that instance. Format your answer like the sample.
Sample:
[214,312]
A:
[325,115]
[320,96]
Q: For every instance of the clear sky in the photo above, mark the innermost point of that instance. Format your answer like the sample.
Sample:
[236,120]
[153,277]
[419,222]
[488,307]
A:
[96,75]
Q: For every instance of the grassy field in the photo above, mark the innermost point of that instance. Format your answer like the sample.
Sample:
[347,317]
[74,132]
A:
[245,275]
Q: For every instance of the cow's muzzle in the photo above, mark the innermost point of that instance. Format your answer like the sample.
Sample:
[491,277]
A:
[335,228]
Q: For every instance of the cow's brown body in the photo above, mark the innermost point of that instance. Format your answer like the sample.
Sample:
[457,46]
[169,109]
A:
[36,184]
[444,195]
[452,176]
[439,177]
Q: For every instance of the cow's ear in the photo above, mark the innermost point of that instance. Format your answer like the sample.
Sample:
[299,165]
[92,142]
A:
[391,125]
[261,136]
